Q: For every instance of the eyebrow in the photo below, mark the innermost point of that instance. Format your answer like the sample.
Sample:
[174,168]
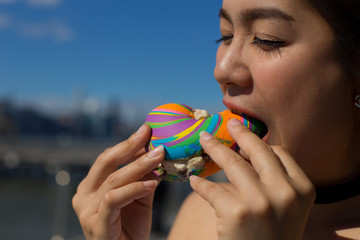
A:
[250,15]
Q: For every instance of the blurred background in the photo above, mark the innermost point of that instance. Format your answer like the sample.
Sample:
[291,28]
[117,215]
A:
[79,76]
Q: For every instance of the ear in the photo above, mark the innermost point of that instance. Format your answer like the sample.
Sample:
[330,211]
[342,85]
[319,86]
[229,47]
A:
[357,101]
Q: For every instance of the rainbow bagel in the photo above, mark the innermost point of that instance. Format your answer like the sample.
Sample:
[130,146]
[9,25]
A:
[177,128]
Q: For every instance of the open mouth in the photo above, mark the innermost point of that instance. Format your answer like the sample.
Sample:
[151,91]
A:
[260,128]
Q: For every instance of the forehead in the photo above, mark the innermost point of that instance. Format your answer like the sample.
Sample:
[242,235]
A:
[294,8]
[303,17]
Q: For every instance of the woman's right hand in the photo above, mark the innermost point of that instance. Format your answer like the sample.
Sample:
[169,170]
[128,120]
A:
[114,203]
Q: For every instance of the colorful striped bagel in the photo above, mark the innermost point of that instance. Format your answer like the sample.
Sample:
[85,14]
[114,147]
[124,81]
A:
[177,128]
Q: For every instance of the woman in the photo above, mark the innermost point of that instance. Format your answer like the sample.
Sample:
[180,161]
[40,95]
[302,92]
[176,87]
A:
[293,65]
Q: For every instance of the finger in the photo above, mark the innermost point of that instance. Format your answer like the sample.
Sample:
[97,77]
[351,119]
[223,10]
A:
[133,171]
[296,174]
[109,161]
[218,196]
[290,165]
[262,157]
[116,199]
[243,154]
[237,169]
[137,155]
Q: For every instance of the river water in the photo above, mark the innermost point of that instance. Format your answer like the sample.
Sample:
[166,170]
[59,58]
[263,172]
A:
[40,208]
[37,209]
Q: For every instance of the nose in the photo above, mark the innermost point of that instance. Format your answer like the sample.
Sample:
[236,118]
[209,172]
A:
[231,66]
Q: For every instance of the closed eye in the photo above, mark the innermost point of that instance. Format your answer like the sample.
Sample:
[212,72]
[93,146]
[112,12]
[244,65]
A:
[268,45]
[224,39]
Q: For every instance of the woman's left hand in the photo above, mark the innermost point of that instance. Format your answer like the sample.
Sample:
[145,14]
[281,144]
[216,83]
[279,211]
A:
[267,199]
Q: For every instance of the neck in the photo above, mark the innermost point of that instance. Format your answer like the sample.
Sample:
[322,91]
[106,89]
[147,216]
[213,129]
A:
[330,221]
[339,192]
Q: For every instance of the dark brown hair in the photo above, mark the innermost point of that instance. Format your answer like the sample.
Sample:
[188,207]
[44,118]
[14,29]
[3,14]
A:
[343,16]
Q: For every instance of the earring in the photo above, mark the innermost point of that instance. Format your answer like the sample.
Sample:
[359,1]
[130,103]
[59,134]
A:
[357,101]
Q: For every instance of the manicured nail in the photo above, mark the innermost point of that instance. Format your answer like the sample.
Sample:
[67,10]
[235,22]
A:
[205,135]
[140,130]
[234,122]
[156,152]
[150,184]
[193,178]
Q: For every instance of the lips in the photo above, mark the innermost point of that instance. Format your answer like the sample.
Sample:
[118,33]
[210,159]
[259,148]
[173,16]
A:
[262,128]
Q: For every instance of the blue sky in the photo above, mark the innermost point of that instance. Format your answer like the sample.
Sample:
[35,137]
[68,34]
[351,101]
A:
[142,52]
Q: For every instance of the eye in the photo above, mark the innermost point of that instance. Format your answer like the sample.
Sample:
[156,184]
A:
[268,45]
[226,39]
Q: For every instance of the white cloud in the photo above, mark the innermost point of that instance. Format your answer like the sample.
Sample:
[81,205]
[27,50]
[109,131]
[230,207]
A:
[43,3]
[54,29]
[35,3]
[5,21]
[7,1]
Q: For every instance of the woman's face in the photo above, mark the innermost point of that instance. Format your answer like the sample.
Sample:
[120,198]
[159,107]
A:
[277,63]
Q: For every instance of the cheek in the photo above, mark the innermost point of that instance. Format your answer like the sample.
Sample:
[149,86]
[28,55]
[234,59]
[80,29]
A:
[301,95]
[278,83]
[311,116]
[298,80]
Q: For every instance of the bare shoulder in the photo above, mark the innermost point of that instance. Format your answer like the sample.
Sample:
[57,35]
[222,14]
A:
[350,233]
[195,220]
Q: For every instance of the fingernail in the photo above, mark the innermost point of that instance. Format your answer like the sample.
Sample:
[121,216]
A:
[193,178]
[234,122]
[140,130]
[205,135]
[156,152]
[150,184]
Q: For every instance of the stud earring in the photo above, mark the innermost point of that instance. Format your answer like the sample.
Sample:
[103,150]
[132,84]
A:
[357,101]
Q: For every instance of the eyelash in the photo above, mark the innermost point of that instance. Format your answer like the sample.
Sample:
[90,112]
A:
[264,44]
[223,39]
[268,45]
